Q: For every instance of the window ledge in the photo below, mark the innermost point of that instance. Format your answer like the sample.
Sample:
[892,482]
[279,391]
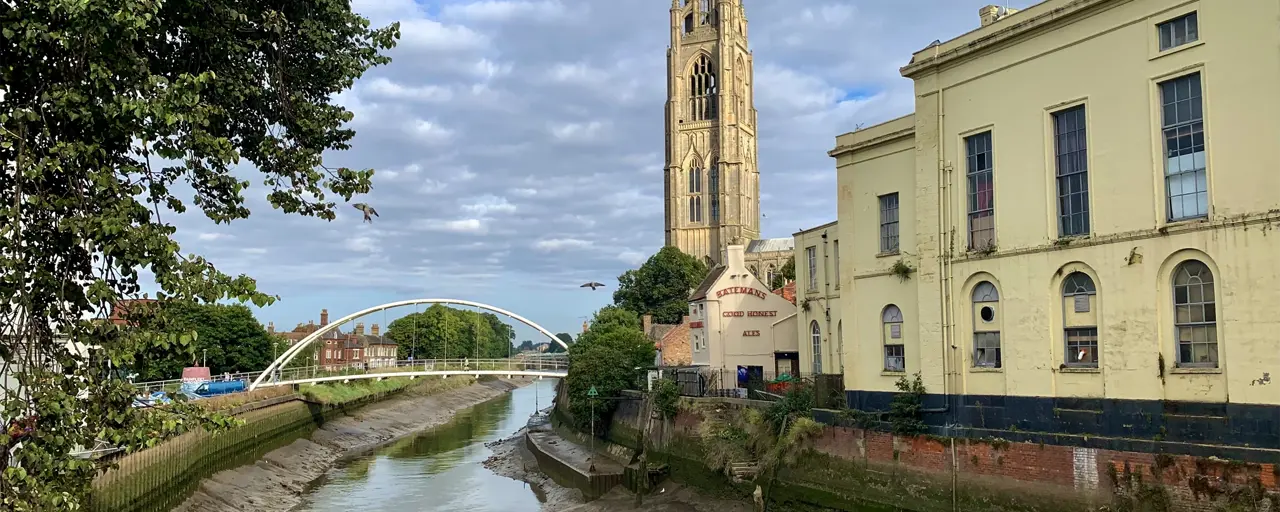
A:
[888,254]
[1195,371]
[1180,48]
[1080,369]
[1183,222]
[891,373]
[985,369]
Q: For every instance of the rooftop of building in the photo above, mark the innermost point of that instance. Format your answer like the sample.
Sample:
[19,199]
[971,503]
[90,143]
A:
[815,228]
[771,245]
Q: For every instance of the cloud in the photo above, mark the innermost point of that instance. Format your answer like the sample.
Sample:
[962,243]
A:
[518,148]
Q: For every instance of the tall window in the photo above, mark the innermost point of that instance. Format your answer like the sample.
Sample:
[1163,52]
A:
[713,189]
[840,340]
[695,180]
[982,225]
[1080,321]
[811,254]
[770,272]
[695,208]
[1183,122]
[695,201]
[702,90]
[889,223]
[895,355]
[986,326]
[1195,315]
[1179,31]
[816,336]
[836,246]
[1073,171]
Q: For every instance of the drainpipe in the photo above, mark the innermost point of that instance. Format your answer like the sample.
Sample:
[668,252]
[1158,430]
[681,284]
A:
[826,293]
[947,316]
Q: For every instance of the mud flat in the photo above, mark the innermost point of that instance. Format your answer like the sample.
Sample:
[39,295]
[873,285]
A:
[277,481]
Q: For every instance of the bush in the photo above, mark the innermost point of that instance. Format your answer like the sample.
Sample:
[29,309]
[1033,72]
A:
[666,398]
[605,357]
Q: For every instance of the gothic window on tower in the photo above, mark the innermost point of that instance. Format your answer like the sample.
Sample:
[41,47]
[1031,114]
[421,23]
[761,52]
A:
[688,23]
[708,16]
[695,208]
[713,179]
[703,90]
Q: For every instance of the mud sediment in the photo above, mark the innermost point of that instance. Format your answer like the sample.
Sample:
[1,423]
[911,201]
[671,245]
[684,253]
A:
[277,481]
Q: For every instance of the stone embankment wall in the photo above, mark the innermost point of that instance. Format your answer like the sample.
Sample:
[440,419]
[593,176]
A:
[867,469]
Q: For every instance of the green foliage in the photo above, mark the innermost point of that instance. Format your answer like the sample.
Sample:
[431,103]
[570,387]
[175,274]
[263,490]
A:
[906,410]
[666,397]
[661,286]
[442,332]
[784,274]
[606,356]
[228,337]
[555,348]
[113,112]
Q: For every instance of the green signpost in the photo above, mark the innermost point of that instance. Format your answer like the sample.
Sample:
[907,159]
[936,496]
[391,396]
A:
[592,394]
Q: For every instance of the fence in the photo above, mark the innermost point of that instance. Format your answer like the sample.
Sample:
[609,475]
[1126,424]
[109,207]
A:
[828,389]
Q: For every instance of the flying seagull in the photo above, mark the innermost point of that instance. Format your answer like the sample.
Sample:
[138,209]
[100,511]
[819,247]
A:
[368,210]
[592,285]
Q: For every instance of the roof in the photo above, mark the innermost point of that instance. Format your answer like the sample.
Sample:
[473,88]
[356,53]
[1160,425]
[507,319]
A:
[658,331]
[815,228]
[771,245]
[701,291]
[788,292]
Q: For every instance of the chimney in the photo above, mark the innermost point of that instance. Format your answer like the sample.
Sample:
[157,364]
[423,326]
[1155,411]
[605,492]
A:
[375,329]
[685,319]
[735,257]
[324,317]
[360,328]
[271,327]
[584,326]
[993,13]
[646,322]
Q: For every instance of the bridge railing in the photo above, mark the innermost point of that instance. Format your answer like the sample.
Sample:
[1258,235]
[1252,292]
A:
[557,362]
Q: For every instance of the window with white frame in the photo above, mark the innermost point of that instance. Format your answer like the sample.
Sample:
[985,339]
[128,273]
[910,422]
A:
[889,223]
[1071,168]
[1079,321]
[811,255]
[1182,121]
[986,326]
[1179,31]
[1195,315]
[815,333]
[981,193]
[895,354]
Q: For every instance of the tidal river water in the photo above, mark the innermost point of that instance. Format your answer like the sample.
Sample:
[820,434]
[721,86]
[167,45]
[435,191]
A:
[440,469]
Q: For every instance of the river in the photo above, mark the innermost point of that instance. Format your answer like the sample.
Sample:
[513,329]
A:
[439,469]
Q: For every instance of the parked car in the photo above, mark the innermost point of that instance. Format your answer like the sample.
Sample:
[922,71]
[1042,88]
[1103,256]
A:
[209,389]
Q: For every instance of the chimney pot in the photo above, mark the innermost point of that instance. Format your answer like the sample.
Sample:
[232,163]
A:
[685,319]
[271,327]
[375,329]
[360,328]
[646,322]
[324,317]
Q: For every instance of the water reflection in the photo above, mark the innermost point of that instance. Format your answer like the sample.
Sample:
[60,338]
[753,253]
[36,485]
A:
[438,470]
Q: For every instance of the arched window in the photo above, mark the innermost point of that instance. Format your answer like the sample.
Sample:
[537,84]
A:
[695,208]
[713,187]
[695,180]
[754,272]
[770,272]
[840,341]
[1080,320]
[1195,315]
[816,334]
[986,325]
[702,90]
[895,353]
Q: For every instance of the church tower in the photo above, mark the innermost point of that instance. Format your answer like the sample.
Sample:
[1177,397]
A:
[712,183]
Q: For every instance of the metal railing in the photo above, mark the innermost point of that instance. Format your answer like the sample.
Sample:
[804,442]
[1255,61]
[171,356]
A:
[539,363]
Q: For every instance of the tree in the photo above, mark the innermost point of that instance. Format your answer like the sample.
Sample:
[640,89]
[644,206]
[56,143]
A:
[112,113]
[661,286]
[785,274]
[443,332]
[606,357]
[555,348]
[229,339]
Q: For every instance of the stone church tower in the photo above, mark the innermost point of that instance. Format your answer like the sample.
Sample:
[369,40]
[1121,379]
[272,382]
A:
[712,183]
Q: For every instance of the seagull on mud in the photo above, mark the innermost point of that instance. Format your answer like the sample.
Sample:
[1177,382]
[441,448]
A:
[592,285]
[367,210]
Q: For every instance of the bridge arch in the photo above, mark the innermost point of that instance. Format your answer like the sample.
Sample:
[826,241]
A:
[289,354]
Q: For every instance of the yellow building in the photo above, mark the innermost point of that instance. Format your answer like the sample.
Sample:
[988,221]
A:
[1076,218]
[819,329]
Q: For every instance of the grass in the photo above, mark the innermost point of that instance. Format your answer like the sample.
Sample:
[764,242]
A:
[224,402]
[339,393]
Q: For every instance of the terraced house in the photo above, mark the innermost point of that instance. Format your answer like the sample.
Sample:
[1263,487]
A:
[1083,205]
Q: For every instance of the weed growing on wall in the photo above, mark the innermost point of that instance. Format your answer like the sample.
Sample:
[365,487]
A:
[906,411]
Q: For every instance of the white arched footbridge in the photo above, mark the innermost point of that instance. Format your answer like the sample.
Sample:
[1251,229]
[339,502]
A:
[544,367]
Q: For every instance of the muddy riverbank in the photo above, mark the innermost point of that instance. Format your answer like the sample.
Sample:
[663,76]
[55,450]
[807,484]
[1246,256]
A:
[513,460]
[277,481]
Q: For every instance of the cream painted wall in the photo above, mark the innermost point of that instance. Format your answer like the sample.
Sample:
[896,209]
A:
[823,301]
[733,340]
[1055,55]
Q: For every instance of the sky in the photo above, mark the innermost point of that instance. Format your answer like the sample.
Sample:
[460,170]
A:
[518,150]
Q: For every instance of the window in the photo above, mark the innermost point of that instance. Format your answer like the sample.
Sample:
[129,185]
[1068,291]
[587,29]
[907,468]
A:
[1080,321]
[982,226]
[811,254]
[889,223]
[895,356]
[840,341]
[1072,171]
[695,208]
[816,335]
[695,180]
[1195,315]
[836,246]
[1179,31]
[1183,125]
[713,187]
[688,23]
[702,90]
[986,326]
[771,272]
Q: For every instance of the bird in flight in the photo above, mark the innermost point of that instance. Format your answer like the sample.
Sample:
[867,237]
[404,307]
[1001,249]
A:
[592,285]
[368,210]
